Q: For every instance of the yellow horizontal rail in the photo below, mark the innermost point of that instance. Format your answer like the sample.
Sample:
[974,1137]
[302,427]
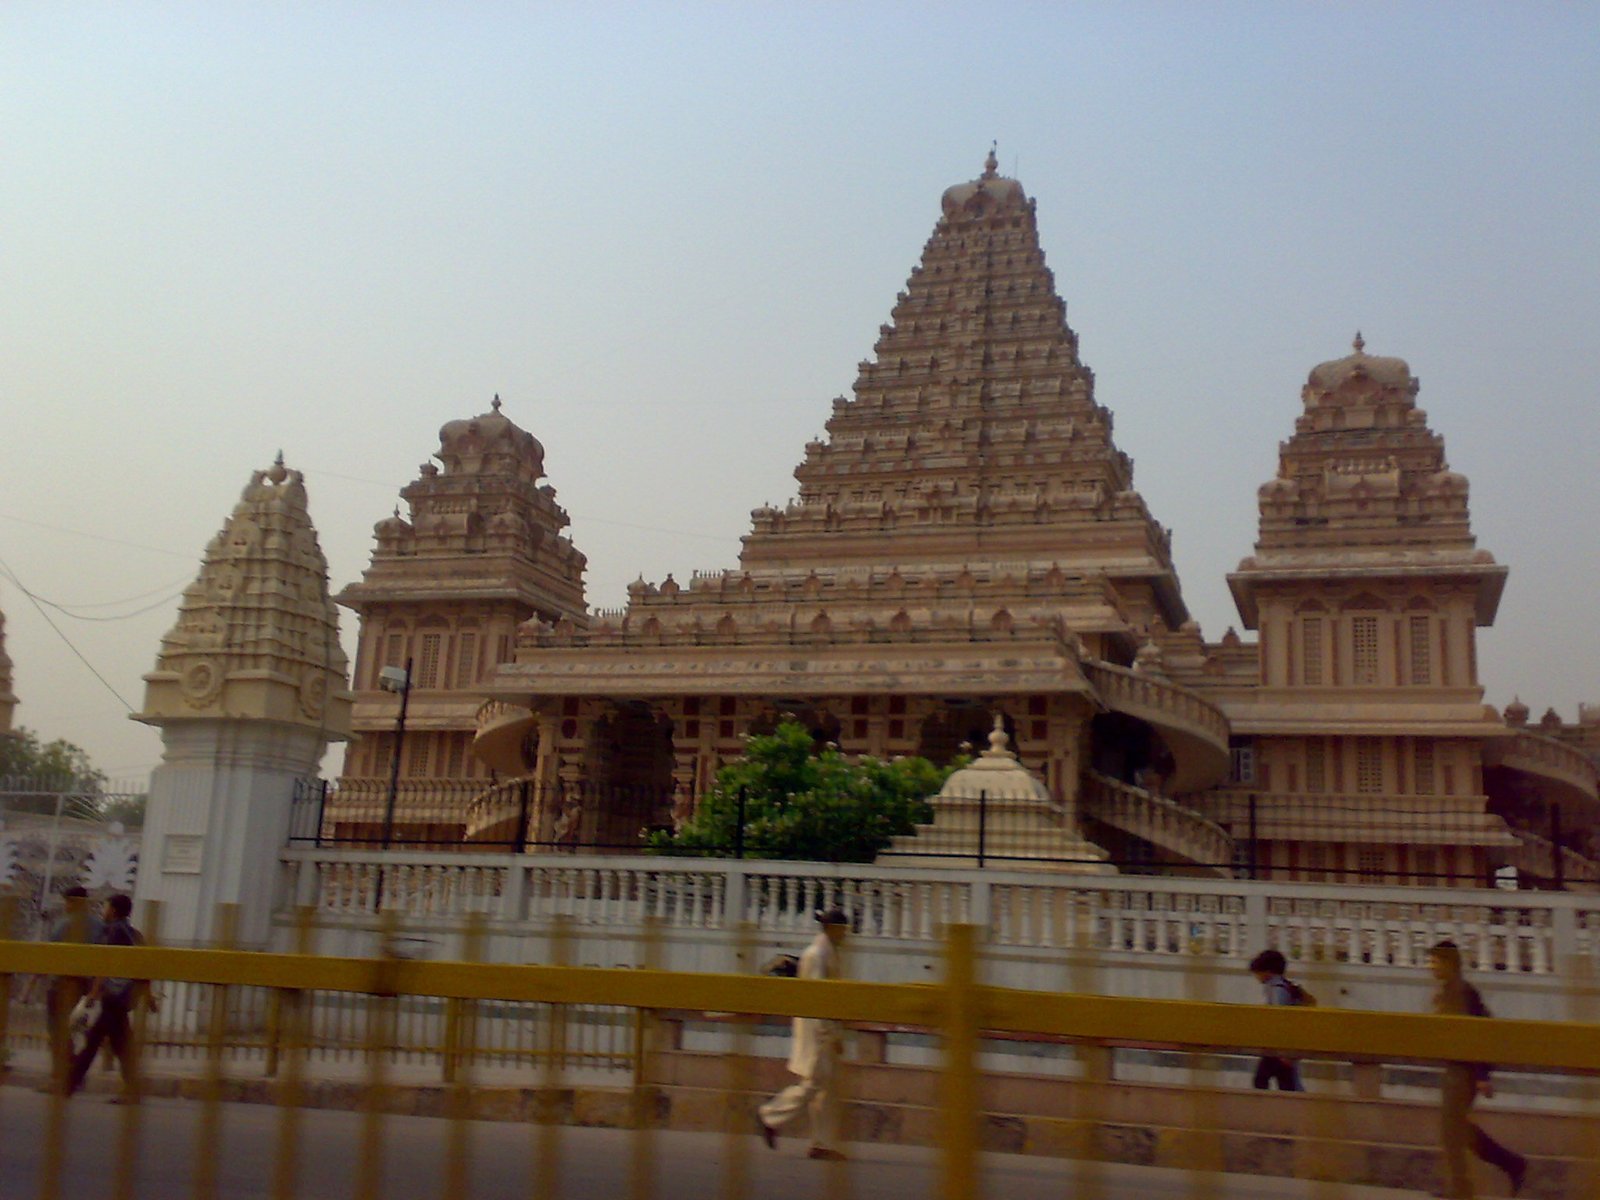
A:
[1303,1032]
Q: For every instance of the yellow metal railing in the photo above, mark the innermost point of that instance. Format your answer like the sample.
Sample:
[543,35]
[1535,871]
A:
[960,1009]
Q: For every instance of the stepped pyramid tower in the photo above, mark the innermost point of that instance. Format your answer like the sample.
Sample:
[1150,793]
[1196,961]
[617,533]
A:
[966,542]
[480,552]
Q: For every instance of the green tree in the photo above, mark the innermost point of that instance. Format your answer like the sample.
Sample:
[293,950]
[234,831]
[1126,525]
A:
[33,773]
[800,804]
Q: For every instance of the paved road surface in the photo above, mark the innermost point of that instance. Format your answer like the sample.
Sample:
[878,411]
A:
[594,1162]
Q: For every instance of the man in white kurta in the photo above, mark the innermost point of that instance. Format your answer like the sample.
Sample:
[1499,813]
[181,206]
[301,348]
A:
[814,1054]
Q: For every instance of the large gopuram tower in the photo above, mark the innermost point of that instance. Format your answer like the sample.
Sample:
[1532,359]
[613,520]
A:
[1363,730]
[480,552]
[966,541]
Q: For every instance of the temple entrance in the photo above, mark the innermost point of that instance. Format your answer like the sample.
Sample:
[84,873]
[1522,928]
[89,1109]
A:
[628,778]
[961,727]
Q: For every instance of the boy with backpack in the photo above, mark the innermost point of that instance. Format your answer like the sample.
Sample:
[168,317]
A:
[1268,968]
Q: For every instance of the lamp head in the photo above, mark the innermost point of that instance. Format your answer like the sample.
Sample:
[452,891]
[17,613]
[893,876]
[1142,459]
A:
[393,679]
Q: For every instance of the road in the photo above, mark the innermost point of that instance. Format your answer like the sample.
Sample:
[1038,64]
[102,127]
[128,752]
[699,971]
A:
[594,1163]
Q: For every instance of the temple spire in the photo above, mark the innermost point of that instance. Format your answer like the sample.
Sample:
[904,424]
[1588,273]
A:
[991,165]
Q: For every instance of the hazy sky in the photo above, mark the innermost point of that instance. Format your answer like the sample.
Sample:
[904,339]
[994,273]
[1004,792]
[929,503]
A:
[667,234]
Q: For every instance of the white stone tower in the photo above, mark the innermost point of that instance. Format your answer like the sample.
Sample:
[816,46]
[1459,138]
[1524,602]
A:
[248,690]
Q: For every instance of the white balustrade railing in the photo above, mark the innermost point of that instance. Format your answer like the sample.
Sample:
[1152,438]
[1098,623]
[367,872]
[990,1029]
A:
[1518,932]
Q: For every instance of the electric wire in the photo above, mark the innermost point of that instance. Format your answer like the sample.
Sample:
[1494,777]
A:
[72,616]
[93,670]
[94,537]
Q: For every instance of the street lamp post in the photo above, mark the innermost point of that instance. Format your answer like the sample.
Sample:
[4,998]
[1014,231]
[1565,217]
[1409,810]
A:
[395,679]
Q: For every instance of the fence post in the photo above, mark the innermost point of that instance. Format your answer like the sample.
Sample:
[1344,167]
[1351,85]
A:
[738,828]
[983,823]
[1558,868]
[960,1116]
[1252,835]
[522,818]
[322,809]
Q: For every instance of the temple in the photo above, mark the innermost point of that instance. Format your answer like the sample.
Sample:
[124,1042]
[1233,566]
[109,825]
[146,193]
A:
[967,544]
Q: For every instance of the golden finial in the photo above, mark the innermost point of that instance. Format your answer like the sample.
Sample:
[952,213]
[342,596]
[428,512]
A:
[495,403]
[1360,344]
[991,165]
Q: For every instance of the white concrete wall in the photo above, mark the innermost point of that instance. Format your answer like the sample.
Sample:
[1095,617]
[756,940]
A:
[1354,947]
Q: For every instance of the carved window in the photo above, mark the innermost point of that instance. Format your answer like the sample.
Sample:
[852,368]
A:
[1364,650]
[1371,861]
[1421,652]
[1316,766]
[466,659]
[452,757]
[394,655]
[503,653]
[1369,765]
[1242,759]
[1311,650]
[428,660]
[1422,766]
[418,756]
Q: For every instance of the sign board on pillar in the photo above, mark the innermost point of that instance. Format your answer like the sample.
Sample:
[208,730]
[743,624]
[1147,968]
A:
[181,854]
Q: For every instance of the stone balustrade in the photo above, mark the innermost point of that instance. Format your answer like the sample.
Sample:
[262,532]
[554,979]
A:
[1547,757]
[1195,730]
[1361,817]
[902,910]
[1535,856]
[1165,823]
[356,798]
[1130,691]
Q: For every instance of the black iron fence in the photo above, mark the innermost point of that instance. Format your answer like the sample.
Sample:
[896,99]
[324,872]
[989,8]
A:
[1115,826]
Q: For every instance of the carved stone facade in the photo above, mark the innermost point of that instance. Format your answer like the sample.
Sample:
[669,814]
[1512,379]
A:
[967,543]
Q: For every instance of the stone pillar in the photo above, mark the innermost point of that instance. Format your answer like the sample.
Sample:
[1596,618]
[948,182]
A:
[248,690]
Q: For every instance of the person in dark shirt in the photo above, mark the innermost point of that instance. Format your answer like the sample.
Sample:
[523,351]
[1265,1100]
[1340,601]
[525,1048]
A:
[118,998]
[1268,968]
[1462,1084]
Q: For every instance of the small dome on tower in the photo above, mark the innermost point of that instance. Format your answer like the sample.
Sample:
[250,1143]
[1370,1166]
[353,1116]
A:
[1395,372]
[392,526]
[1516,713]
[464,445]
[987,193]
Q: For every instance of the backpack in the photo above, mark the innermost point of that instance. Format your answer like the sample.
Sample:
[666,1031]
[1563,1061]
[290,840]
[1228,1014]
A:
[1299,996]
[784,966]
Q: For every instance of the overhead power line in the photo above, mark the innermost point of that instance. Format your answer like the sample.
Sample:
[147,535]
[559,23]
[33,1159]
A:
[12,575]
